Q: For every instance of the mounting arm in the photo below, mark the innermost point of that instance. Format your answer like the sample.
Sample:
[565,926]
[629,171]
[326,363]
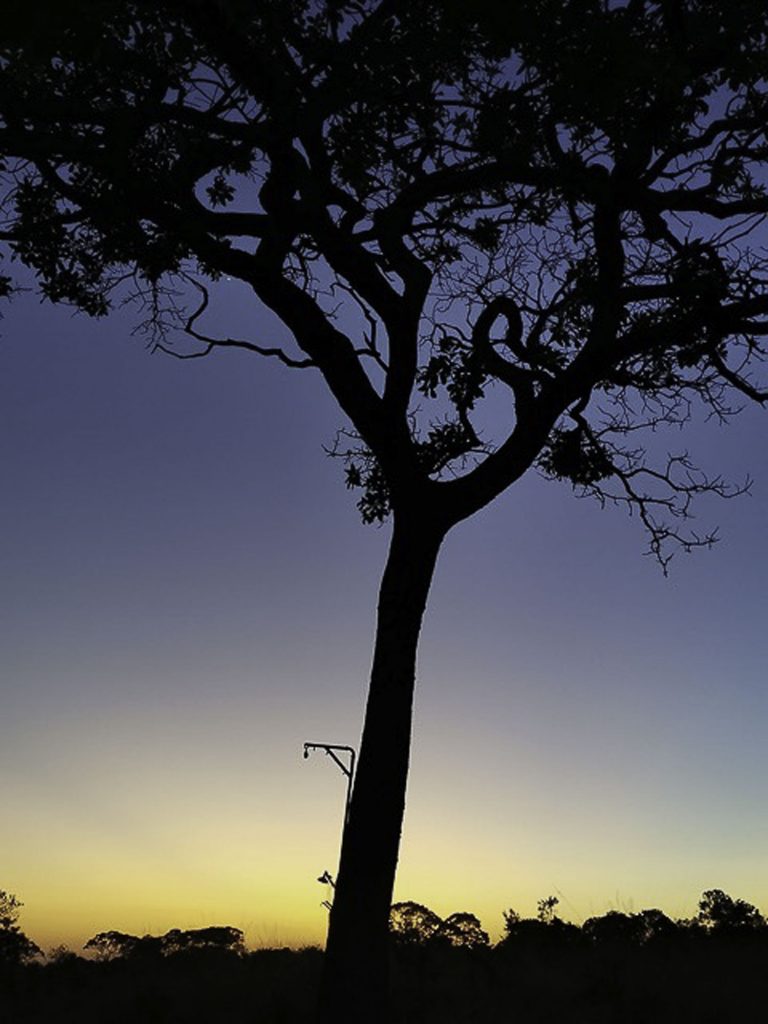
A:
[347,769]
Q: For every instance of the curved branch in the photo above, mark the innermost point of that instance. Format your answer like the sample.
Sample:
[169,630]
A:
[737,381]
[517,378]
[211,343]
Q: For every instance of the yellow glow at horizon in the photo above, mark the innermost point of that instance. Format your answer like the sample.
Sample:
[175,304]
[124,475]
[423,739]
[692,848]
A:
[196,816]
[175,835]
[200,879]
[260,876]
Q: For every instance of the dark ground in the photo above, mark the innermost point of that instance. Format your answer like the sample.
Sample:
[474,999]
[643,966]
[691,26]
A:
[552,977]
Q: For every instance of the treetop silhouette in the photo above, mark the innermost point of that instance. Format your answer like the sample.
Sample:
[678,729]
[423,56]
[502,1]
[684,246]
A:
[412,924]
[115,945]
[15,947]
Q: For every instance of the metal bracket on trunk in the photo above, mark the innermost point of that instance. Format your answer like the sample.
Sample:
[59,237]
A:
[347,769]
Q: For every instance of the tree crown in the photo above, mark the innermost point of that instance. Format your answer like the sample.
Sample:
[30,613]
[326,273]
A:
[551,211]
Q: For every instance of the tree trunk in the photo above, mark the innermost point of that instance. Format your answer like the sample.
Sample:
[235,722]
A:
[355,980]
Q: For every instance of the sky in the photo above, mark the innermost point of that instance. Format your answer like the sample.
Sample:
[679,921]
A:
[187,595]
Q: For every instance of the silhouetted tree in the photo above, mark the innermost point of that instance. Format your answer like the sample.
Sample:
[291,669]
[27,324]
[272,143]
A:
[615,929]
[545,909]
[413,924]
[545,931]
[720,914]
[656,926]
[620,930]
[114,945]
[61,955]
[215,938]
[464,931]
[553,200]
[10,906]
[15,948]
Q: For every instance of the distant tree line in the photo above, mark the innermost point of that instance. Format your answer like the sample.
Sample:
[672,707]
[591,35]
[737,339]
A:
[216,939]
[616,968]
[415,925]
[718,916]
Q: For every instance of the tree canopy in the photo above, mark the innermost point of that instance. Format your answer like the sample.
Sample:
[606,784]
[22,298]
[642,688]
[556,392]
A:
[555,205]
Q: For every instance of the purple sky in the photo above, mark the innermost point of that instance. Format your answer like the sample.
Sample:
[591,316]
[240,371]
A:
[188,595]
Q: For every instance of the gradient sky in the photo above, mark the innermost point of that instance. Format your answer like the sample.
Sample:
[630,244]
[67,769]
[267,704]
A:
[187,594]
